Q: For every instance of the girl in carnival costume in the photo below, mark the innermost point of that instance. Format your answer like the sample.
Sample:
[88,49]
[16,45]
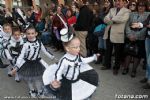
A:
[72,78]
[29,64]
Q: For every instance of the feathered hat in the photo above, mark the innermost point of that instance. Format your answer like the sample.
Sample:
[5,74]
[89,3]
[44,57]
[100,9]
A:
[65,34]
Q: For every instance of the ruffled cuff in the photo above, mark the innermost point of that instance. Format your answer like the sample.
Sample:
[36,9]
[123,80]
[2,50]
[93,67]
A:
[95,57]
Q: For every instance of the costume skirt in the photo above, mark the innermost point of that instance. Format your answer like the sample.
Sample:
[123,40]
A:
[31,70]
[79,89]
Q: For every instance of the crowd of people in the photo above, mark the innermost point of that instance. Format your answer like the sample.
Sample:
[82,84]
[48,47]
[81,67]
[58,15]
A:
[118,31]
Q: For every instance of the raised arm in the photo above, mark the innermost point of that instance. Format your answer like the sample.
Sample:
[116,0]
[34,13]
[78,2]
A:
[89,59]
[50,55]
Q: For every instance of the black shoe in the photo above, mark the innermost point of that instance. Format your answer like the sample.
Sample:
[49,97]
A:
[104,68]
[146,86]
[133,74]
[33,93]
[125,71]
[9,75]
[144,80]
[18,81]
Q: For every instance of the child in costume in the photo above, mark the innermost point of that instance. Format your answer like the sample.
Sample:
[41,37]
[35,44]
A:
[29,64]
[13,49]
[72,78]
[5,34]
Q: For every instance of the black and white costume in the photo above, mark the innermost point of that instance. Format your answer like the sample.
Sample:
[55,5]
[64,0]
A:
[78,79]
[12,51]
[4,39]
[29,63]
[13,48]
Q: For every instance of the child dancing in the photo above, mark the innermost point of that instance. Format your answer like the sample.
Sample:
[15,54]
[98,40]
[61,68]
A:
[72,78]
[29,64]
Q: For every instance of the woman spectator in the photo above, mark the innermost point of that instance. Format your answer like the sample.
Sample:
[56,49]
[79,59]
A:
[71,19]
[57,25]
[132,6]
[46,34]
[136,36]
[127,58]
[37,11]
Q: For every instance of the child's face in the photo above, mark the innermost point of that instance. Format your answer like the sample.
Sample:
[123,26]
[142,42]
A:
[17,35]
[8,30]
[31,34]
[74,47]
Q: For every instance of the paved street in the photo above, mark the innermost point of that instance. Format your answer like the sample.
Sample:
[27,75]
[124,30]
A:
[110,85]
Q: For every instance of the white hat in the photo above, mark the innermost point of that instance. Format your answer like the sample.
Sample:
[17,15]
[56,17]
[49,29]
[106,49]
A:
[65,35]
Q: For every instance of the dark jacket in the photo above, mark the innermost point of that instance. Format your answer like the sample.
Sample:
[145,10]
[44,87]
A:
[84,19]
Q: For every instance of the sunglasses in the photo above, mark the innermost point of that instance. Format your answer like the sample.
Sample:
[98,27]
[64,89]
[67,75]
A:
[132,5]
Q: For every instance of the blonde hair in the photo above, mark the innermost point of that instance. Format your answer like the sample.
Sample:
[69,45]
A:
[65,44]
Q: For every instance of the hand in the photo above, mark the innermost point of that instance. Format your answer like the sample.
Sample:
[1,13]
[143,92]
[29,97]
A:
[110,22]
[13,72]
[55,28]
[98,55]
[135,25]
[106,20]
[56,84]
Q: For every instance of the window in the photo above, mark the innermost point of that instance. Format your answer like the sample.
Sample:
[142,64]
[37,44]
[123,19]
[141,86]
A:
[17,3]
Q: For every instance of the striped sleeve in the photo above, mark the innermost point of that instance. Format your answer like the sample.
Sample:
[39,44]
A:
[89,59]
[59,71]
[20,59]
[46,52]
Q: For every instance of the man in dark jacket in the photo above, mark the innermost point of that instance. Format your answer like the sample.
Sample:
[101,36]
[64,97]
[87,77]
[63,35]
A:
[82,25]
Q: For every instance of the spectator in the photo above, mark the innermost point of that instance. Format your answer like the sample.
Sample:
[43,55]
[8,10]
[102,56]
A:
[136,35]
[70,17]
[57,25]
[115,19]
[147,46]
[46,34]
[101,43]
[37,11]
[31,17]
[8,16]
[82,25]
[133,7]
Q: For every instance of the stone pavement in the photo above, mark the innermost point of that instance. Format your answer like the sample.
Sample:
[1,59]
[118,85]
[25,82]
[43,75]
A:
[110,86]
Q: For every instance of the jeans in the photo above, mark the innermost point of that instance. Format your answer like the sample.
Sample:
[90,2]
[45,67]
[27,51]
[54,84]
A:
[101,43]
[147,47]
[46,37]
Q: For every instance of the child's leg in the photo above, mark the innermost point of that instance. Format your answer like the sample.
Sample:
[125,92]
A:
[17,79]
[39,86]
[9,68]
[32,91]
[30,84]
